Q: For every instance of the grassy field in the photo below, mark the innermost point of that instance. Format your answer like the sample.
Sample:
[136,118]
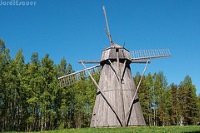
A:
[167,129]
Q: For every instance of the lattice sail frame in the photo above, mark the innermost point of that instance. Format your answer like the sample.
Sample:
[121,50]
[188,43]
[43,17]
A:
[150,54]
[72,78]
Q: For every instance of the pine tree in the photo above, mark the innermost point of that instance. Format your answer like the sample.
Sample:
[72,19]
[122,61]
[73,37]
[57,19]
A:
[17,72]
[34,86]
[188,101]
[47,96]
[198,104]
[4,91]
[149,83]
[160,110]
[175,111]
[65,99]
[60,106]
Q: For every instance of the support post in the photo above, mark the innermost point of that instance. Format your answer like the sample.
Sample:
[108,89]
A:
[132,101]
[103,95]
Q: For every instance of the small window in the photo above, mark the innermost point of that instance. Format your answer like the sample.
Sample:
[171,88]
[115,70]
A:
[117,50]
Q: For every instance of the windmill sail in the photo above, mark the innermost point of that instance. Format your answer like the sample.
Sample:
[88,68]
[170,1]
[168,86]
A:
[72,78]
[107,27]
[141,56]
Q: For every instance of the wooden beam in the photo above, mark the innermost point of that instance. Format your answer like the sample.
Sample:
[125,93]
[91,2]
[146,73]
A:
[89,61]
[103,95]
[133,99]
[113,69]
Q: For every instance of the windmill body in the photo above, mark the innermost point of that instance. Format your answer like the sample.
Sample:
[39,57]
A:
[117,83]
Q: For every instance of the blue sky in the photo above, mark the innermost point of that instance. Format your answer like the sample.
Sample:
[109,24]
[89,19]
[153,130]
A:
[74,29]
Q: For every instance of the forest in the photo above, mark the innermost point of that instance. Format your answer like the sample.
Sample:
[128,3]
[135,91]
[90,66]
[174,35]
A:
[32,100]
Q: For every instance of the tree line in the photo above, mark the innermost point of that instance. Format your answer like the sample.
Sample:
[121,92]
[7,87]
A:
[32,100]
[164,104]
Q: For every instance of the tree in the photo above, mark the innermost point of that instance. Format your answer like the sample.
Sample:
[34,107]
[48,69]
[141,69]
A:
[17,69]
[48,91]
[35,82]
[149,83]
[65,98]
[198,104]
[160,99]
[175,110]
[188,101]
[4,91]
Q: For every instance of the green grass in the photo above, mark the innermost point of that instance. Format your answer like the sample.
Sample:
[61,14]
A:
[167,129]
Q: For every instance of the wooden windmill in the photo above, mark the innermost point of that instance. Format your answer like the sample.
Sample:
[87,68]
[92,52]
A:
[117,103]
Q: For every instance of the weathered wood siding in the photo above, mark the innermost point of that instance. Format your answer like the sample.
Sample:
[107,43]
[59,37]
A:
[110,53]
[119,94]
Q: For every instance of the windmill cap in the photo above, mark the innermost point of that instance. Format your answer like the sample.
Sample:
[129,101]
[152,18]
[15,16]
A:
[115,51]
[115,46]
